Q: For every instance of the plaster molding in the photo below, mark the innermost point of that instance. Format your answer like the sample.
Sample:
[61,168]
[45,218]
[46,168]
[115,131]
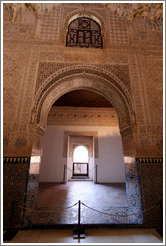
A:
[82,116]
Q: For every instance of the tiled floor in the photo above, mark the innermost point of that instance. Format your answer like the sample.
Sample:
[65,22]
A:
[108,198]
[104,235]
[63,195]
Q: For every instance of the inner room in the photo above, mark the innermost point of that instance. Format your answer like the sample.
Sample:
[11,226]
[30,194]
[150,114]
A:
[82,157]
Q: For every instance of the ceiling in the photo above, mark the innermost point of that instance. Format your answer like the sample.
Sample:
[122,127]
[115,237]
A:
[83,98]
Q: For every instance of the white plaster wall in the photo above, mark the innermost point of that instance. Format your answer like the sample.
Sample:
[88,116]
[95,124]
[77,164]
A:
[110,160]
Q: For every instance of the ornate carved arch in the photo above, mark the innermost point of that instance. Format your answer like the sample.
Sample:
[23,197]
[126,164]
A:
[84,77]
[102,82]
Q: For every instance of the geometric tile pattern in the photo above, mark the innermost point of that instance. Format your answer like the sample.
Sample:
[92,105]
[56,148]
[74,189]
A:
[133,191]
[15,171]
[118,30]
[151,178]
[47,31]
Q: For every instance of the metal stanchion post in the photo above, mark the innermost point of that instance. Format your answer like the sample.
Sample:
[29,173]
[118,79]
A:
[79,212]
[64,175]
[78,231]
[96,174]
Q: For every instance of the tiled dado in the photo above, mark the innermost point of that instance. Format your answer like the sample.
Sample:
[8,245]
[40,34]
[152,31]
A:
[15,175]
[15,160]
[151,179]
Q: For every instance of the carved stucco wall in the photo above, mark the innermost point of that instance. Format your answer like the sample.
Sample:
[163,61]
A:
[17,131]
[148,124]
[18,107]
[129,65]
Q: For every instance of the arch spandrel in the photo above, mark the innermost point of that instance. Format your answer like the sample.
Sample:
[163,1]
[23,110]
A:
[84,71]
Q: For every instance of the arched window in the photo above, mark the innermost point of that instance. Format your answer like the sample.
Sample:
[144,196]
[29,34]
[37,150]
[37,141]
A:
[84,32]
[80,161]
[80,154]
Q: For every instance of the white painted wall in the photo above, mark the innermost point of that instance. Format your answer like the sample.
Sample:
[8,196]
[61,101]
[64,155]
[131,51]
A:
[110,161]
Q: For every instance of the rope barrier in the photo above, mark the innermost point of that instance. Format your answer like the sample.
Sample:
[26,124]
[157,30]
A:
[122,215]
[48,211]
[28,169]
[68,169]
[92,169]
[87,172]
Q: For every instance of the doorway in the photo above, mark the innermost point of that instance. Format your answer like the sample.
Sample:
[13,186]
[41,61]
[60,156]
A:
[80,156]
[99,118]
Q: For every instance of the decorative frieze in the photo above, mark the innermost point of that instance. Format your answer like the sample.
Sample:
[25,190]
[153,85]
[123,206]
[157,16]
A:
[82,116]
[15,160]
[149,160]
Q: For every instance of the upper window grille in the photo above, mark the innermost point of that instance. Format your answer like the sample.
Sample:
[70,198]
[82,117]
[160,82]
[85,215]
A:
[84,32]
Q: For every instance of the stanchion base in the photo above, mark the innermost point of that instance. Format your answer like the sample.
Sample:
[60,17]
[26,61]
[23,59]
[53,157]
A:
[78,233]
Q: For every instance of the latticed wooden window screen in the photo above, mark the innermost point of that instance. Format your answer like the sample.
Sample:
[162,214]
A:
[84,32]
